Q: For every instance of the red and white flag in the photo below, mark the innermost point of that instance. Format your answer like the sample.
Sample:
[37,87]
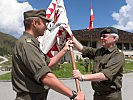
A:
[58,30]
[91,19]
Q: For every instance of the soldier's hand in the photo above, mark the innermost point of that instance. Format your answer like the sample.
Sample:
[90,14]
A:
[80,96]
[68,44]
[77,74]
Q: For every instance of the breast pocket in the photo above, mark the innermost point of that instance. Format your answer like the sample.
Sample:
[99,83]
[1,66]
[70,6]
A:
[103,62]
[96,67]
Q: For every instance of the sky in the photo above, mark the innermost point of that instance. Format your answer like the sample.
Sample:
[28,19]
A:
[116,13]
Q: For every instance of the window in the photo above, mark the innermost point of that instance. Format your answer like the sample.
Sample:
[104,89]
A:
[93,44]
[126,46]
[119,45]
[85,43]
[131,46]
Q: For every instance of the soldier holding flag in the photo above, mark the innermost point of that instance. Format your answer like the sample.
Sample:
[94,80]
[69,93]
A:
[108,66]
[31,72]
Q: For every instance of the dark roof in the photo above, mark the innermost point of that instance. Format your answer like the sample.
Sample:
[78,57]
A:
[85,34]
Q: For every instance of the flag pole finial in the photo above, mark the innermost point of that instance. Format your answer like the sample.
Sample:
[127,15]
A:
[91,17]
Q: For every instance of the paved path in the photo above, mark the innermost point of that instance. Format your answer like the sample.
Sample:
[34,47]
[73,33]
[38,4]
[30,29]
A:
[6,92]
[129,60]
[4,59]
[3,72]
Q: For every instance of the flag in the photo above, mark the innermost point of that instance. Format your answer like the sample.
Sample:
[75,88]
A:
[58,30]
[91,19]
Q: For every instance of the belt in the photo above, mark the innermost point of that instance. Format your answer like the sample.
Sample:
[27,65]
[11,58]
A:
[106,92]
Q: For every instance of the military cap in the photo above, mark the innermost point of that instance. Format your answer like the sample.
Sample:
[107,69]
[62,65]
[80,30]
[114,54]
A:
[36,13]
[109,30]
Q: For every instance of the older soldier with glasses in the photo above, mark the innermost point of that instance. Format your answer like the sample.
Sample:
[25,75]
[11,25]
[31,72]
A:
[108,66]
[31,73]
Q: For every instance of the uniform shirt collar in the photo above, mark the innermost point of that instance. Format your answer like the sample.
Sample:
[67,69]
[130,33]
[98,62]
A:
[112,48]
[32,37]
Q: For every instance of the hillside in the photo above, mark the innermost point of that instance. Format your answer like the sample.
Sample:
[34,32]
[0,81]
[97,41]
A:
[7,42]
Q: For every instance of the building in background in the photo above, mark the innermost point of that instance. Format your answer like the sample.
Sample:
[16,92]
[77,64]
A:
[92,38]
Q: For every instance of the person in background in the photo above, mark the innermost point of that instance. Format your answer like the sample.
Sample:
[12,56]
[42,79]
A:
[106,77]
[31,68]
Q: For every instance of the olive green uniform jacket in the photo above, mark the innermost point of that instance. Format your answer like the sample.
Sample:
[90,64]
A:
[29,65]
[108,61]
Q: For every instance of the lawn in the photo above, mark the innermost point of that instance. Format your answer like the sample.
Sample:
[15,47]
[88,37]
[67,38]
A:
[6,76]
[65,70]
[128,66]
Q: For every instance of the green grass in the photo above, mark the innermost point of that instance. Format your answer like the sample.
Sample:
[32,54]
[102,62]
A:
[65,70]
[128,66]
[6,76]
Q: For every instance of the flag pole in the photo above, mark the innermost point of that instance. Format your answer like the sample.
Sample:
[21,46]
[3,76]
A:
[90,28]
[74,68]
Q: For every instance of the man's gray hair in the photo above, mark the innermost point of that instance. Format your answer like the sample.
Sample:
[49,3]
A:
[116,36]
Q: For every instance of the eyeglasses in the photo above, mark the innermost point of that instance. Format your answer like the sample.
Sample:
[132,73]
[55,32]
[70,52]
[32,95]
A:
[105,35]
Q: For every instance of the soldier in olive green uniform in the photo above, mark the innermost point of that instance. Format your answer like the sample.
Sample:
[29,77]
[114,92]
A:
[108,66]
[31,73]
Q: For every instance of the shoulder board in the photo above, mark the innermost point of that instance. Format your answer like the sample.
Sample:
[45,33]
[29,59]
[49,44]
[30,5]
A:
[28,40]
[119,50]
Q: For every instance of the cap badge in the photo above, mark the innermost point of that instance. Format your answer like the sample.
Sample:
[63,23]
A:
[108,30]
